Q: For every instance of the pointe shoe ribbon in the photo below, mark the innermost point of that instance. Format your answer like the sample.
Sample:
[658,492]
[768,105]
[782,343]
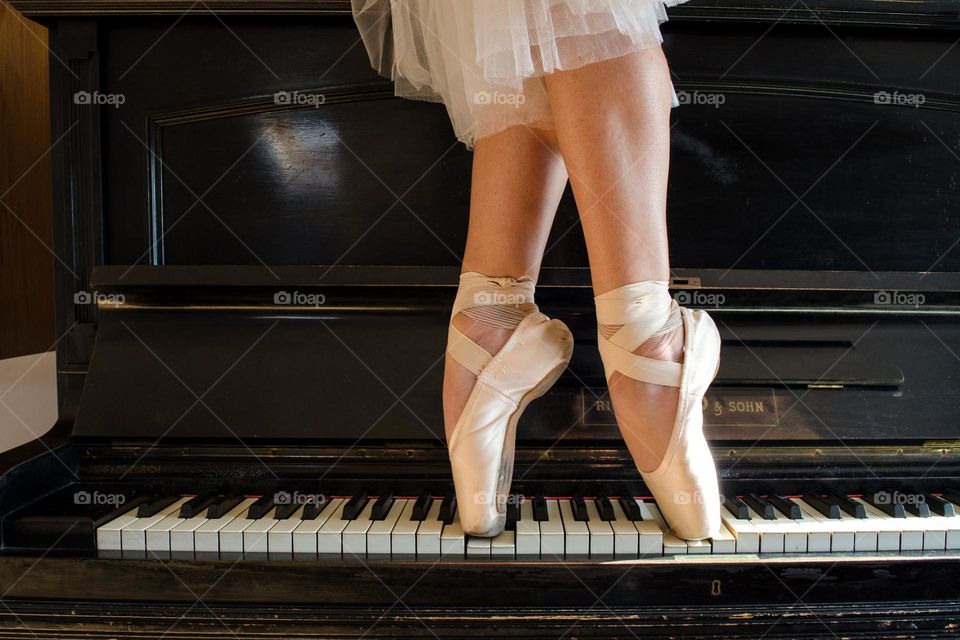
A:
[481,447]
[684,485]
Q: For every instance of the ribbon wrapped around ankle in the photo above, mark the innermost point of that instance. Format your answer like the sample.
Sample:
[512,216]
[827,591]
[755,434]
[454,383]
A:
[640,310]
[480,290]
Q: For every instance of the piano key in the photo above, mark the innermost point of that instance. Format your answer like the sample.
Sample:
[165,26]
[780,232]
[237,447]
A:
[133,537]
[650,535]
[355,533]
[889,529]
[157,536]
[920,505]
[222,506]
[478,547]
[841,540]
[939,506]
[180,536]
[786,506]
[206,537]
[196,505]
[737,507]
[882,502]
[527,531]
[453,540]
[355,506]
[260,508]
[153,507]
[227,542]
[379,537]
[746,535]
[846,503]
[504,545]
[551,531]
[329,535]
[626,539]
[577,533]
[256,541]
[448,508]
[951,496]
[672,545]
[403,536]
[513,512]
[285,511]
[760,506]
[816,527]
[421,507]
[724,541]
[601,533]
[280,537]
[829,509]
[428,533]
[604,507]
[579,509]
[108,530]
[630,508]
[382,507]
[540,508]
[305,535]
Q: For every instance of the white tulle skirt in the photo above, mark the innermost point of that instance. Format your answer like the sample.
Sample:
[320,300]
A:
[485,59]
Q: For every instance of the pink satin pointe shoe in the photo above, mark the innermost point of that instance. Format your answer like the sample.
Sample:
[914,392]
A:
[481,447]
[684,484]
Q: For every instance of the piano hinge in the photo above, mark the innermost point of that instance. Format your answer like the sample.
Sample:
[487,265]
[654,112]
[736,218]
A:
[824,386]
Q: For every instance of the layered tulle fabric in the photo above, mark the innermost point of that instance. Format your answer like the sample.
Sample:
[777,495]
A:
[485,59]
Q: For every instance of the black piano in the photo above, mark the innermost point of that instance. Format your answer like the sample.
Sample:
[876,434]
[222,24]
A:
[257,249]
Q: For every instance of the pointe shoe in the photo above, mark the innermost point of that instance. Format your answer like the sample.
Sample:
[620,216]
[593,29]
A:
[684,484]
[481,447]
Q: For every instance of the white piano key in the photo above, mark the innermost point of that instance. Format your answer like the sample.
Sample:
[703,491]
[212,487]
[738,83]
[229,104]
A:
[133,537]
[672,545]
[453,541]
[701,547]
[158,536]
[108,534]
[794,537]
[649,531]
[504,544]
[355,534]
[723,541]
[601,533]
[280,537]
[813,526]
[256,537]
[305,535]
[551,533]
[428,533]
[892,533]
[528,531]
[206,538]
[626,538]
[228,539]
[771,534]
[746,535]
[478,547]
[403,537]
[329,535]
[842,537]
[379,540]
[577,532]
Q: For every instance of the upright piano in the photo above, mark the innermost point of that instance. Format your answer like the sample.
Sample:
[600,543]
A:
[257,248]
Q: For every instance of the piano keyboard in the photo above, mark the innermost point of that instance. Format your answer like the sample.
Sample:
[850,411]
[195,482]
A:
[538,527]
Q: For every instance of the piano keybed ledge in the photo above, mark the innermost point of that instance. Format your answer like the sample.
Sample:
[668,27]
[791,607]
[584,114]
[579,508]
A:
[538,528]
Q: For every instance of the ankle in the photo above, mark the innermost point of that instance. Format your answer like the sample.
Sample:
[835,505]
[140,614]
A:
[665,346]
[488,337]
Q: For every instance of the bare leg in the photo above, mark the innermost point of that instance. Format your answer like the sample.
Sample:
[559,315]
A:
[613,129]
[518,180]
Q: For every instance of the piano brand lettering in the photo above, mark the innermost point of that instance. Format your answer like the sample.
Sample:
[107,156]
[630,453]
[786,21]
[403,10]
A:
[96,98]
[297,98]
[896,98]
[298,298]
[715,100]
[734,406]
[899,298]
[699,298]
[496,97]
[94,297]
[95,497]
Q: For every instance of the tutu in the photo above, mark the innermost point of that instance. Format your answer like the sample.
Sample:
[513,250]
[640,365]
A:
[485,59]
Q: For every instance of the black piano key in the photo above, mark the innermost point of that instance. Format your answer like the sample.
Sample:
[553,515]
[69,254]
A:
[260,508]
[223,506]
[284,511]
[939,506]
[737,507]
[786,506]
[382,507]
[630,508]
[448,508]
[313,509]
[761,506]
[829,509]
[919,509]
[540,509]
[421,507]
[951,496]
[513,512]
[579,507]
[847,504]
[113,514]
[155,506]
[882,502]
[196,505]
[355,505]
[605,508]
